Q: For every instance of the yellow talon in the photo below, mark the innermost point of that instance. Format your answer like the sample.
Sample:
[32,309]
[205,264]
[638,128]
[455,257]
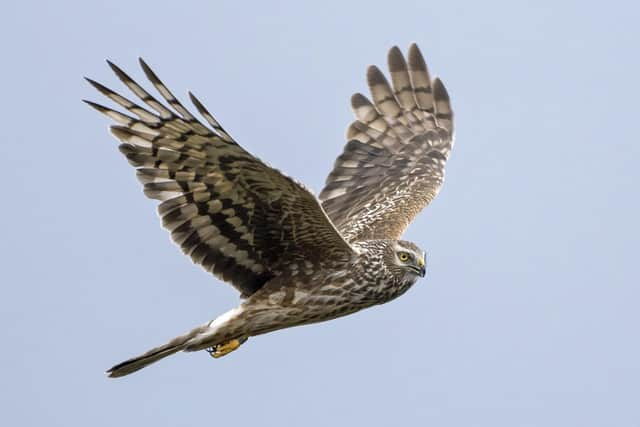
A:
[226,348]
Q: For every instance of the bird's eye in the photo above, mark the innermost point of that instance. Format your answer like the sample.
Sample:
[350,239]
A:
[403,256]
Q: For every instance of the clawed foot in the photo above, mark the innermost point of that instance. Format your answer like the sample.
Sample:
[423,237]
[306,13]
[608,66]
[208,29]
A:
[225,348]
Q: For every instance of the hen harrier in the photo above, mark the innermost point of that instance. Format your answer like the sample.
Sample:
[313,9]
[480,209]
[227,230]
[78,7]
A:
[294,258]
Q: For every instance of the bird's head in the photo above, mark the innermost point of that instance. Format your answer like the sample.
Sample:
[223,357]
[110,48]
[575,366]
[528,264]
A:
[408,258]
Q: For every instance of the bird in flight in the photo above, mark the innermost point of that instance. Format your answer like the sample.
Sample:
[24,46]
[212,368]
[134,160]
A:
[294,258]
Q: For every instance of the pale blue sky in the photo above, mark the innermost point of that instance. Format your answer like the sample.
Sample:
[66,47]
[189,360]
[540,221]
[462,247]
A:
[529,312]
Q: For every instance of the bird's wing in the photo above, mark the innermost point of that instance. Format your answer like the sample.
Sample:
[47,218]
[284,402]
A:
[231,213]
[393,163]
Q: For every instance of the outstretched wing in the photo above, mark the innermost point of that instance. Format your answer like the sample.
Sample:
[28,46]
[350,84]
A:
[393,164]
[235,216]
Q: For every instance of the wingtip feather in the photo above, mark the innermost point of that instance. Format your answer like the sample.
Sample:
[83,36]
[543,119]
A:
[375,76]
[359,100]
[416,60]
[395,60]
[439,90]
[148,71]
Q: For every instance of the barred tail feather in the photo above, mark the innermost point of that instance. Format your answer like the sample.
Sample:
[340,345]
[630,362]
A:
[136,363]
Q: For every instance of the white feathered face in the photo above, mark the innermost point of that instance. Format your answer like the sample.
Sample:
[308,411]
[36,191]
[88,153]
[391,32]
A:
[408,256]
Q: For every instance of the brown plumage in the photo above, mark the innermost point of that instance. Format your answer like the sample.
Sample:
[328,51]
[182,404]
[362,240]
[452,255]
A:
[294,259]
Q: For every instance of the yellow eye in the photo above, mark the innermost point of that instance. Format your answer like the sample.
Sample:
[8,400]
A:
[403,256]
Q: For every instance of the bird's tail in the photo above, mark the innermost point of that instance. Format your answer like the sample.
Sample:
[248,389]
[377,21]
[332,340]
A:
[175,345]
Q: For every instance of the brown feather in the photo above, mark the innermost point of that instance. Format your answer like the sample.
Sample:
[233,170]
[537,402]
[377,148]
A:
[231,213]
[393,164]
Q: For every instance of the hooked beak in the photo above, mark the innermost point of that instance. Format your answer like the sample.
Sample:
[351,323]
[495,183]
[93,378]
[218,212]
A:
[423,267]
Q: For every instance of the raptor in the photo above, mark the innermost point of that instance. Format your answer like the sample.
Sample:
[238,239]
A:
[295,259]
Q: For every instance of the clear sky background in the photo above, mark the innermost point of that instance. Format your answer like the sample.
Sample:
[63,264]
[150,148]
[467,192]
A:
[529,315]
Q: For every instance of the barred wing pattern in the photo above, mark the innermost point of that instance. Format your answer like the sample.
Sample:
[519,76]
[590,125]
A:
[235,216]
[393,164]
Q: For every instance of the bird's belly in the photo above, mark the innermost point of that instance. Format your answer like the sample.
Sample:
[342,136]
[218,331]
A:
[298,304]
[335,300]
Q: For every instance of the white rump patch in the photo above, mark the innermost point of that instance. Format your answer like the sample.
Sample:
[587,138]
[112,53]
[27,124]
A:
[224,318]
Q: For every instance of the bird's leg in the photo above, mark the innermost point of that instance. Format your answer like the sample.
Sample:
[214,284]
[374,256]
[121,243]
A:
[225,348]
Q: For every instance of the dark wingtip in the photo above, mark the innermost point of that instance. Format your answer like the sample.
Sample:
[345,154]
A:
[92,104]
[113,66]
[99,86]
[375,76]
[148,71]
[196,102]
[395,59]
[121,74]
[416,60]
[359,100]
[142,63]
[439,90]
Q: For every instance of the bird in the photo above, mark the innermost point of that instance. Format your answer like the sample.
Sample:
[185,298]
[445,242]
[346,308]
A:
[295,258]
